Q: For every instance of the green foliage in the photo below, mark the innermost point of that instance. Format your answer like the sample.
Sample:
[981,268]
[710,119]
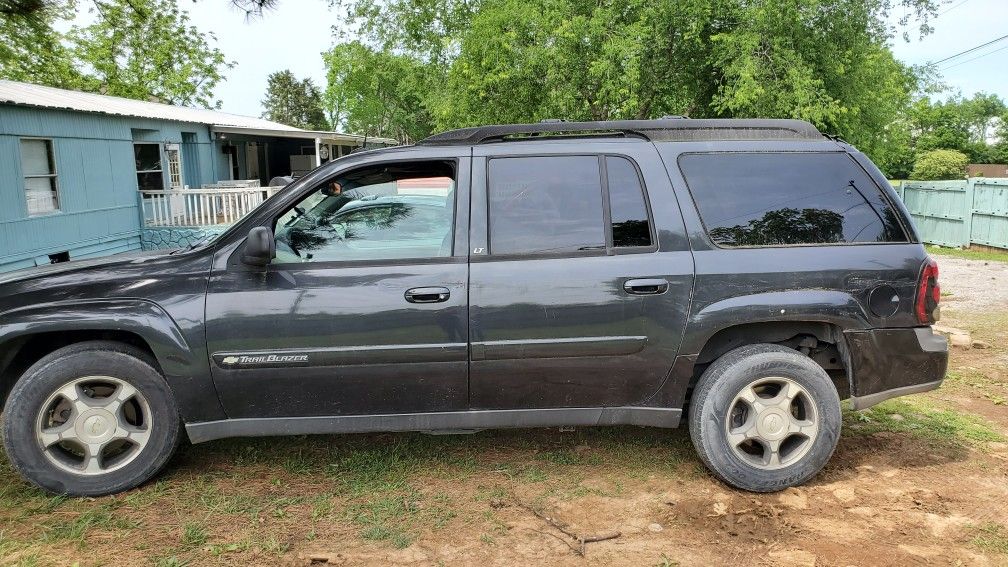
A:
[379,92]
[484,61]
[31,51]
[961,124]
[293,102]
[141,49]
[940,164]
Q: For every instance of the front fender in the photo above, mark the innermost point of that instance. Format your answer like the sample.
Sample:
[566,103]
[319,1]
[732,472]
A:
[186,368]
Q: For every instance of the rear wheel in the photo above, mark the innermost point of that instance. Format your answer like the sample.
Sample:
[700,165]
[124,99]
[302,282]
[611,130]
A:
[90,419]
[764,418]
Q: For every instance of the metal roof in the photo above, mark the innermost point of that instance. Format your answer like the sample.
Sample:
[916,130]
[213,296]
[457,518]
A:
[27,94]
[305,135]
[664,130]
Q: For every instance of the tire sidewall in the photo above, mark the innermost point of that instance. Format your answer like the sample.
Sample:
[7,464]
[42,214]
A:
[54,371]
[710,416]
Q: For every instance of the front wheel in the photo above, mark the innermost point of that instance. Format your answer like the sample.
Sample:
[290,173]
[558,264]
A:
[764,418]
[90,419]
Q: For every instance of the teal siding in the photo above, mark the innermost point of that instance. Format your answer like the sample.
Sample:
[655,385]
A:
[96,175]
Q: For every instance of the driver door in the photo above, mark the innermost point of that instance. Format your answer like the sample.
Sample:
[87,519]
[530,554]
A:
[363,311]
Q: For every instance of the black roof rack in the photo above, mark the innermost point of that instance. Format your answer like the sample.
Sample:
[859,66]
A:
[662,130]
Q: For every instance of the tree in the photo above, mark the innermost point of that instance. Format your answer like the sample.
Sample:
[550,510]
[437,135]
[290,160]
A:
[146,49]
[958,124]
[142,49]
[30,50]
[294,102]
[999,153]
[825,61]
[36,9]
[379,92]
[940,164]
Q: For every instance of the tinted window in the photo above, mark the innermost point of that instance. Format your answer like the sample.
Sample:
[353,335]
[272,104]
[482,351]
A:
[630,225]
[762,199]
[545,204]
[389,212]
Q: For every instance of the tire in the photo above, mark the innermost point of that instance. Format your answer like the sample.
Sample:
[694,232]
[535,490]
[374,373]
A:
[735,437]
[75,392]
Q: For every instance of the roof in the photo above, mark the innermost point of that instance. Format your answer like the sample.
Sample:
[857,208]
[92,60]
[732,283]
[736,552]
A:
[27,94]
[661,130]
[305,135]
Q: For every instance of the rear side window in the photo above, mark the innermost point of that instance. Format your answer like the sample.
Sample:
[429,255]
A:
[780,199]
[630,224]
[544,205]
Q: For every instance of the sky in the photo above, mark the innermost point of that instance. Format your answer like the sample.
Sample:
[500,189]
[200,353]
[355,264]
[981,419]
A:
[295,34]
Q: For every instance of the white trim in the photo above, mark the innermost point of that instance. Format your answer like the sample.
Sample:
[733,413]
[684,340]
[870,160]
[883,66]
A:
[50,147]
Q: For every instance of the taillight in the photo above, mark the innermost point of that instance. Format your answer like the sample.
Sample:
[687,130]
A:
[928,293]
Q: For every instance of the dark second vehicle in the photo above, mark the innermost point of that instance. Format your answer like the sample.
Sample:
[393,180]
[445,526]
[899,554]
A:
[746,275]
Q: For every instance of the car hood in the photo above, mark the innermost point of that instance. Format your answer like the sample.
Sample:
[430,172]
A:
[138,257]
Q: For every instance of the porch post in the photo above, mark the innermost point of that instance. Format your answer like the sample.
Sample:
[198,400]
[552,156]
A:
[318,160]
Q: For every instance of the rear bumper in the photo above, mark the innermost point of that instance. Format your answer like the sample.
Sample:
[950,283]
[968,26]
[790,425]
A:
[887,363]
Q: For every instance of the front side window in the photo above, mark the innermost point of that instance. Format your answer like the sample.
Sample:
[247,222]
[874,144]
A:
[150,174]
[38,165]
[542,205]
[387,212]
[781,199]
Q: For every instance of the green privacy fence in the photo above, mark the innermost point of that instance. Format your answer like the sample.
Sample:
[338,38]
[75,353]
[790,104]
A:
[959,213]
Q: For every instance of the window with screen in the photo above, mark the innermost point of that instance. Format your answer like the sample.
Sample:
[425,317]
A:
[383,212]
[631,226]
[38,165]
[781,199]
[543,205]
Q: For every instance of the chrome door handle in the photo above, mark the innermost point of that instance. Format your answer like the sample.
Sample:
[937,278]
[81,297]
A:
[427,294]
[646,286]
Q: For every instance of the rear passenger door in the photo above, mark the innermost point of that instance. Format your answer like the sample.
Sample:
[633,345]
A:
[578,288]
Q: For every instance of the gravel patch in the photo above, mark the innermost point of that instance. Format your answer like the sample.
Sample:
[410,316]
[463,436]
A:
[975,285]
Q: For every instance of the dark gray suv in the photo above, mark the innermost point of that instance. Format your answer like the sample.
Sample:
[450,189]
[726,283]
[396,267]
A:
[745,275]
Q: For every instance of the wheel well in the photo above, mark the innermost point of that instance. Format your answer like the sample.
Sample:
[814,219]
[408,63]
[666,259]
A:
[822,342]
[17,355]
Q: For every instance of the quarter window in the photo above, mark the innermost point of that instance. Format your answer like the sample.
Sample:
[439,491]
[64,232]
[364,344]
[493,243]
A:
[150,175]
[542,205]
[780,199]
[387,212]
[630,224]
[38,165]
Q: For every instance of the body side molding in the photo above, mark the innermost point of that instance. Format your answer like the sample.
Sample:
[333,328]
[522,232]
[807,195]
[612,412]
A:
[472,419]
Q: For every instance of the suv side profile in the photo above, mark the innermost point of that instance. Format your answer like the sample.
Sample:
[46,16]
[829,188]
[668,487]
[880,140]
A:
[743,276]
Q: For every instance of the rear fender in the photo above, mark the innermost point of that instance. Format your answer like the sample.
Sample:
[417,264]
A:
[820,306]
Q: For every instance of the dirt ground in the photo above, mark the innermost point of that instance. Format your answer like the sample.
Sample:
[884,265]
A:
[917,481]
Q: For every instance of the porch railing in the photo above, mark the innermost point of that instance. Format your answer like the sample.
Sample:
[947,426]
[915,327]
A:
[201,207]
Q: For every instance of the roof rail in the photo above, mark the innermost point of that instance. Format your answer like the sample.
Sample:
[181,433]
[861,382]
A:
[661,130]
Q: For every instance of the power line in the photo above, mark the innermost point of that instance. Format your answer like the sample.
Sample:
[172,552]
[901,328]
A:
[974,58]
[970,50]
[946,11]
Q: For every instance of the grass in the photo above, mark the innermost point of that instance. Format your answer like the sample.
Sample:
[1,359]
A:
[194,534]
[992,537]
[226,501]
[253,501]
[969,254]
[922,420]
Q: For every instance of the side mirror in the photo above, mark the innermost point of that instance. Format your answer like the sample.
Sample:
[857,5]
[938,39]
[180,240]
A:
[260,247]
